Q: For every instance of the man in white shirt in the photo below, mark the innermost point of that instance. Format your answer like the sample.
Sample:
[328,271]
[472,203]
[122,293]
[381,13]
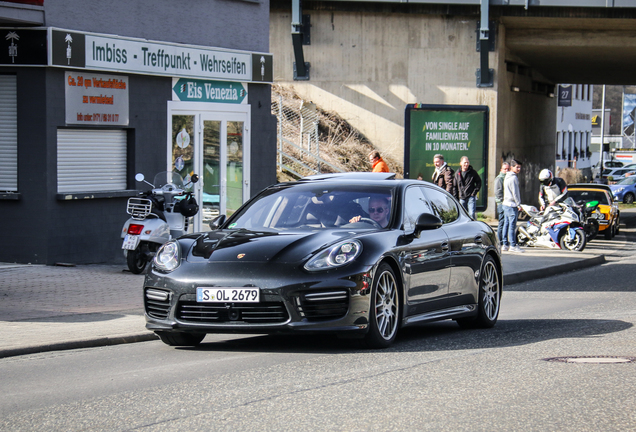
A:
[511,205]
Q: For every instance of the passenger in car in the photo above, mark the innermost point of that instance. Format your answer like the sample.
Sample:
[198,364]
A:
[378,211]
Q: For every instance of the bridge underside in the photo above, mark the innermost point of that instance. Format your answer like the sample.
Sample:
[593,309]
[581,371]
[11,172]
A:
[574,50]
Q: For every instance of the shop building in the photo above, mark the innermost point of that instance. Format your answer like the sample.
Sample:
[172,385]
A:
[92,93]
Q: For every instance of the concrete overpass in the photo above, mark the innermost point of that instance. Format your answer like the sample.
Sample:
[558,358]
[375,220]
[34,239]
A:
[368,59]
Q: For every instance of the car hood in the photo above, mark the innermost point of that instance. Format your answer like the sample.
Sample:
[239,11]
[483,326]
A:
[263,246]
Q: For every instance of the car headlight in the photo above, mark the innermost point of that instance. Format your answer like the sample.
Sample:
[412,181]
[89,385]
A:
[168,257]
[619,190]
[598,215]
[337,255]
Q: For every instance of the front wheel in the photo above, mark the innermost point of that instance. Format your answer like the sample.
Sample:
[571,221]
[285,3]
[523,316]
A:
[576,242]
[136,260]
[489,298]
[181,339]
[384,314]
[628,198]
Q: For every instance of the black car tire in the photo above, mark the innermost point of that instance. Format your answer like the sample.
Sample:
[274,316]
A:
[181,339]
[577,244]
[609,232]
[628,198]
[489,298]
[384,313]
[136,260]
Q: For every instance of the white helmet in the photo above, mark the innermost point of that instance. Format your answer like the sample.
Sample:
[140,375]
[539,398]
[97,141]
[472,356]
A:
[545,176]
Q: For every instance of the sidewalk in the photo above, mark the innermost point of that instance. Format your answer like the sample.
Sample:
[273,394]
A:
[48,308]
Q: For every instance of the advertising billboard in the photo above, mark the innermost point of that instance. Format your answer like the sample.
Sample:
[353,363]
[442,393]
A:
[451,130]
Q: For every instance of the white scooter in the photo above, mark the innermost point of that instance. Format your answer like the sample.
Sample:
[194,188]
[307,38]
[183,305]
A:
[157,216]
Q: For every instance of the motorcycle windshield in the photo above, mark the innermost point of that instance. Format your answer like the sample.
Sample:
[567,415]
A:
[168,177]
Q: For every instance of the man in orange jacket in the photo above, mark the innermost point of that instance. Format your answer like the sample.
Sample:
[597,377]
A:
[378,164]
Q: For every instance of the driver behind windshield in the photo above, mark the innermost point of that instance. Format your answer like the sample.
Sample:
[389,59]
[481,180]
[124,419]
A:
[378,211]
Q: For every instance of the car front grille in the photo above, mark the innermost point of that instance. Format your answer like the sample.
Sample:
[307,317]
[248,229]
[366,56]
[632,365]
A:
[157,303]
[246,313]
[321,306]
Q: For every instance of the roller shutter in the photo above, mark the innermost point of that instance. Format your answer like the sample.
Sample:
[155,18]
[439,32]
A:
[91,160]
[8,134]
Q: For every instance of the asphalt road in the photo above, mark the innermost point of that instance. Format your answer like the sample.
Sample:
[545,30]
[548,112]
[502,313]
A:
[435,377]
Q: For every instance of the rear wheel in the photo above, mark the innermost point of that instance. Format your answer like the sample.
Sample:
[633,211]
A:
[385,309]
[136,260]
[575,243]
[521,238]
[489,298]
[181,339]
[591,229]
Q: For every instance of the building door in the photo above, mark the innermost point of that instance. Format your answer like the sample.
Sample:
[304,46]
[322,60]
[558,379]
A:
[214,145]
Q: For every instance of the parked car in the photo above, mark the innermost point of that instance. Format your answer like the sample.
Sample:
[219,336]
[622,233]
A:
[607,164]
[354,254]
[607,213]
[625,190]
[617,174]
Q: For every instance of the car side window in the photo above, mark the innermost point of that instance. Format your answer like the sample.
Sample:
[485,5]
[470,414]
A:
[443,205]
[415,203]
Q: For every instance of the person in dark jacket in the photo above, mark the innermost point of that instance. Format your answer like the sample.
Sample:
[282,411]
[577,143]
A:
[444,176]
[468,185]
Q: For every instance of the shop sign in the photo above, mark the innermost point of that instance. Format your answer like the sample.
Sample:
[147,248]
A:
[128,55]
[565,95]
[193,90]
[23,47]
[96,99]
[72,49]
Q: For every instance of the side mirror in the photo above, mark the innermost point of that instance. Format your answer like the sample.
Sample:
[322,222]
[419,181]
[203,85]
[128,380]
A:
[217,222]
[194,178]
[426,222]
[139,177]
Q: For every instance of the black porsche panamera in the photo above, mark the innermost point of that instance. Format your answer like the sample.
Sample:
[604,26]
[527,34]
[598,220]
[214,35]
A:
[357,254]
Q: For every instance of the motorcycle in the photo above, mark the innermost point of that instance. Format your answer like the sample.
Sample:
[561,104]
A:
[157,215]
[559,226]
[589,217]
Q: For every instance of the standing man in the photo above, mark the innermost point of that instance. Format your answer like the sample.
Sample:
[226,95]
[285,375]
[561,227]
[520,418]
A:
[377,162]
[511,205]
[499,182]
[444,176]
[468,185]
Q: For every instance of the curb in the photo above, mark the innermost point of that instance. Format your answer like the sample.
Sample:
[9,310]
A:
[86,343]
[529,275]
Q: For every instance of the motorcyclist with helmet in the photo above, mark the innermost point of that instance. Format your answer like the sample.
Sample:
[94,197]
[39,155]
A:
[552,191]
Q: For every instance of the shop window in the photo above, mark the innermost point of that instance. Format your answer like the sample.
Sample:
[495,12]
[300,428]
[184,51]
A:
[8,134]
[91,160]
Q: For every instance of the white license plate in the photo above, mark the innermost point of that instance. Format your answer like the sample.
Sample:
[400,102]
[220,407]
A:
[130,242]
[228,295]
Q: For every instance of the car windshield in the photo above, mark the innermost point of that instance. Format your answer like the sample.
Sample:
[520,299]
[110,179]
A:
[588,195]
[628,180]
[314,206]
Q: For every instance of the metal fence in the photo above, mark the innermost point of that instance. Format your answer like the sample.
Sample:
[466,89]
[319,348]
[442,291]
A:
[298,138]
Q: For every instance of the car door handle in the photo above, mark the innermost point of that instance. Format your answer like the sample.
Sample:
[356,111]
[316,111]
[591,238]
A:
[478,239]
[444,246]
